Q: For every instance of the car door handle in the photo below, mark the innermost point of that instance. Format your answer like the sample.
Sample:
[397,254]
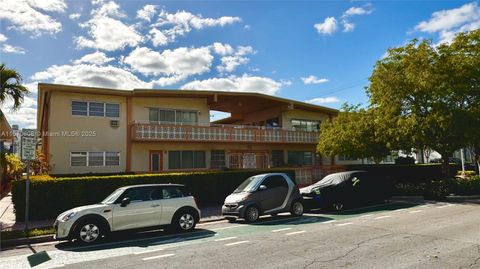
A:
[155,205]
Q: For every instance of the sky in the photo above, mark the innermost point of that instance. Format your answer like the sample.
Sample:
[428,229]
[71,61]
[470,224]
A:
[320,52]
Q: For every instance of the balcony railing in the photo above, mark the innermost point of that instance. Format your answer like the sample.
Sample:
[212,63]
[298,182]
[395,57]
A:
[219,133]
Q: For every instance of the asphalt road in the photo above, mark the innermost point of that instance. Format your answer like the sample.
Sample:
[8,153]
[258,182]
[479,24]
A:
[431,235]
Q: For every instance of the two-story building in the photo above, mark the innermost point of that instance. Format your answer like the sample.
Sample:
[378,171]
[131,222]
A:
[98,130]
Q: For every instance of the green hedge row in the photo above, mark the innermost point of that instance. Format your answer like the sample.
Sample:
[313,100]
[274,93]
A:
[440,188]
[50,197]
[414,173]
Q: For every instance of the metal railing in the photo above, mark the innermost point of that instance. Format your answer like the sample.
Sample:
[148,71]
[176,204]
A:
[219,133]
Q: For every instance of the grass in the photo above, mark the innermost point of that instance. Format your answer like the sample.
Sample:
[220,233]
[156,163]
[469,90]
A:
[8,235]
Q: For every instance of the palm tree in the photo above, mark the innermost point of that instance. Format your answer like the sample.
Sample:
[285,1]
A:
[11,87]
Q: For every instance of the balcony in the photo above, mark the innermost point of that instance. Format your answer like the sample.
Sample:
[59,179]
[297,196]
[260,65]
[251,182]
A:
[219,133]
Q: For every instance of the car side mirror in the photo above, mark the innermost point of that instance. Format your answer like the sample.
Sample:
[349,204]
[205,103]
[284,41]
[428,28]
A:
[125,201]
[262,187]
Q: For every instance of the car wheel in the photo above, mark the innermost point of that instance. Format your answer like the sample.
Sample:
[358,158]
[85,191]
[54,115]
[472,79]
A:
[337,206]
[184,222]
[252,214]
[89,232]
[297,209]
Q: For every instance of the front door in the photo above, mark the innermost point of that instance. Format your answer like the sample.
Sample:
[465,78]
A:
[144,209]
[275,194]
[155,161]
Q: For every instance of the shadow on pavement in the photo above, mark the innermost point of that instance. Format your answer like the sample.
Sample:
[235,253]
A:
[373,208]
[140,239]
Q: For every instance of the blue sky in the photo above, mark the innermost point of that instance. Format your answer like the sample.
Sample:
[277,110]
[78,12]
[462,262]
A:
[321,52]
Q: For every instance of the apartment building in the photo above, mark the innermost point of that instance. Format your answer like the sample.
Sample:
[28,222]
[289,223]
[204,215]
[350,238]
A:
[99,130]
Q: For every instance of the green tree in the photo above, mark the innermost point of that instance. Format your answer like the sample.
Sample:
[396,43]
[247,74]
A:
[352,133]
[427,95]
[11,86]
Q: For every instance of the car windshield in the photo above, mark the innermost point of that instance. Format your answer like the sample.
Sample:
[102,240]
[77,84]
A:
[113,197]
[248,185]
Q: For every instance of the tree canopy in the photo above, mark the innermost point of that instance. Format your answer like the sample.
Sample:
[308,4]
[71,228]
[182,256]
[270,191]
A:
[11,86]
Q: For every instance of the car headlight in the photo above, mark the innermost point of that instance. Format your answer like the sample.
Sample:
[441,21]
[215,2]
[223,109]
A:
[68,216]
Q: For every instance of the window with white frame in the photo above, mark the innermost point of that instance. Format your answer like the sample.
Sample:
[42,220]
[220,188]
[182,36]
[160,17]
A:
[95,158]
[306,125]
[95,109]
[172,116]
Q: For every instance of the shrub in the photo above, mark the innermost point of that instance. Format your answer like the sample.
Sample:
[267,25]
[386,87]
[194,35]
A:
[50,197]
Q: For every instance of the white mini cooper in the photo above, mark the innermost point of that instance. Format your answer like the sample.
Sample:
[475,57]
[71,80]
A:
[130,207]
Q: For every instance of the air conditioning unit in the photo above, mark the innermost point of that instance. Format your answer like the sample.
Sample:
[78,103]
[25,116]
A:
[114,123]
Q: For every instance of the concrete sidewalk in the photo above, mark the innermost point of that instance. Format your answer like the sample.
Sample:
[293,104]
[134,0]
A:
[8,222]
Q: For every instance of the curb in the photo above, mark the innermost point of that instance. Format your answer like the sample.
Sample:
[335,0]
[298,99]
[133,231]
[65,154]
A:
[49,238]
[27,241]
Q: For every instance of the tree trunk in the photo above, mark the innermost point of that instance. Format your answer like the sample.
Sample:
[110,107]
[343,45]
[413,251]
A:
[445,166]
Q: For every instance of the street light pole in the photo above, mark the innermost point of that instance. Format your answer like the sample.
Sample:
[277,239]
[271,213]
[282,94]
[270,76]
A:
[27,195]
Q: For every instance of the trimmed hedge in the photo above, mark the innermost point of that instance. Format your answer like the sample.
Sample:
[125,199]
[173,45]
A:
[50,197]
[413,173]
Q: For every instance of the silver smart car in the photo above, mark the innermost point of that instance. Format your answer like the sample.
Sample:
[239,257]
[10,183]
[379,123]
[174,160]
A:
[271,193]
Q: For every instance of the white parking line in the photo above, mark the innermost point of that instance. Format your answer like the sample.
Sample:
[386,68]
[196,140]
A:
[236,243]
[279,230]
[415,211]
[366,216]
[147,251]
[443,206]
[383,217]
[329,221]
[225,238]
[344,224]
[158,257]
[298,232]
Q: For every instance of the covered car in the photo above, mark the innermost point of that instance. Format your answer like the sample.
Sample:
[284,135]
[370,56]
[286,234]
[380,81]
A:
[347,189]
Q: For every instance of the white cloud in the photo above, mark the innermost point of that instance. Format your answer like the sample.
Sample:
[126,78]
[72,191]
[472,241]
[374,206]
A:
[166,81]
[12,49]
[97,57]
[24,15]
[222,49]
[180,61]
[327,27]
[91,75]
[348,26]
[313,80]
[75,16]
[26,115]
[449,22]
[158,38]
[354,11]
[244,83]
[232,57]
[174,25]
[3,38]
[49,5]
[147,12]
[106,31]
[323,100]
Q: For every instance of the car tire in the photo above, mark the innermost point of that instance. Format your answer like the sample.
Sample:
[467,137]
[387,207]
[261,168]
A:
[183,221]
[89,231]
[252,214]
[337,206]
[297,208]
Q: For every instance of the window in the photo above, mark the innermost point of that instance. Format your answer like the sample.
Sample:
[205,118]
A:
[186,159]
[78,159]
[79,108]
[140,194]
[275,122]
[172,116]
[95,159]
[275,182]
[277,158]
[95,109]
[306,125]
[112,158]
[112,110]
[300,158]
[217,159]
[346,158]
[172,192]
